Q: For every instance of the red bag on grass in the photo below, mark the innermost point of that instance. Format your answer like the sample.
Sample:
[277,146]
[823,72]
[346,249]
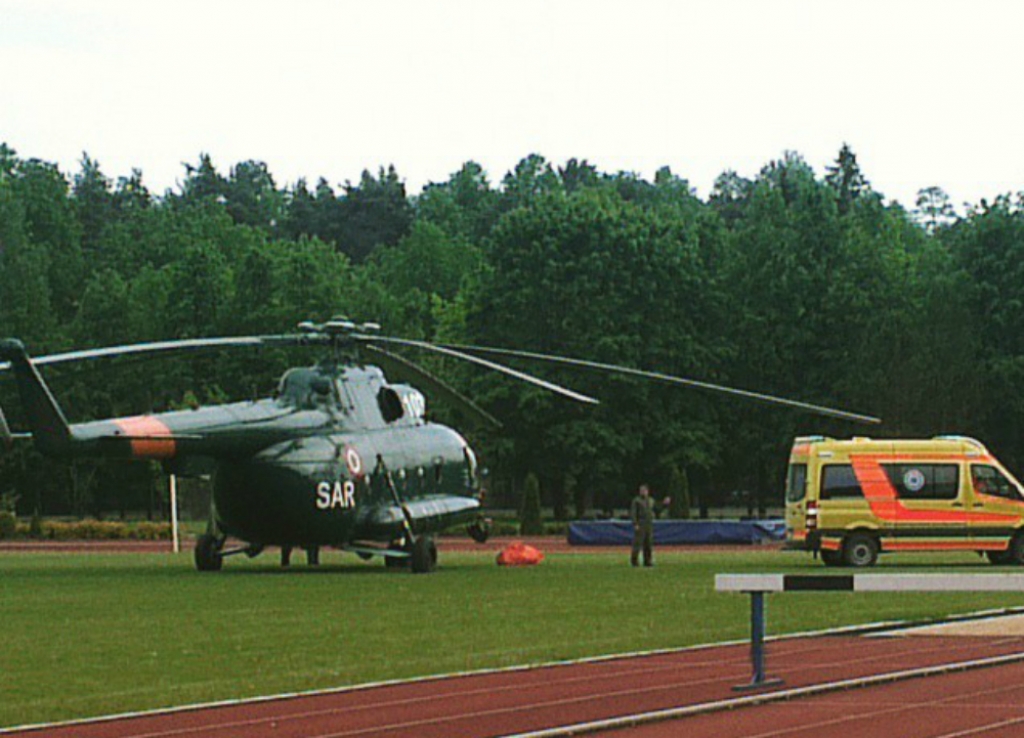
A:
[518,553]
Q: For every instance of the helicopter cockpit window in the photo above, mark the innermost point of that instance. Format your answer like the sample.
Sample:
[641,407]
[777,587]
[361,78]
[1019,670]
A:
[304,388]
[390,404]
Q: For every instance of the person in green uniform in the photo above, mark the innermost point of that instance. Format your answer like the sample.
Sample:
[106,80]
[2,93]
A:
[641,512]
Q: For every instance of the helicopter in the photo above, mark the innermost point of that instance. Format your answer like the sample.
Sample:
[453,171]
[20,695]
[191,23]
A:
[339,456]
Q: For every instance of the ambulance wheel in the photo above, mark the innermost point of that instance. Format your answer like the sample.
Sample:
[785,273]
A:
[831,558]
[998,557]
[424,555]
[207,553]
[860,550]
[1015,553]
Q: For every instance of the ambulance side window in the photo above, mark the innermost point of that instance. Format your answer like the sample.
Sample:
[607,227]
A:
[924,481]
[988,480]
[839,482]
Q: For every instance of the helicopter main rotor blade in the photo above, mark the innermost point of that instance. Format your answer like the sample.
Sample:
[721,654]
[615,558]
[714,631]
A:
[6,437]
[669,379]
[157,347]
[399,366]
[456,353]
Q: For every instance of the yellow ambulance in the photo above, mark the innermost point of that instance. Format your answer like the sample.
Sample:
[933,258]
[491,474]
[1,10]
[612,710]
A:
[849,500]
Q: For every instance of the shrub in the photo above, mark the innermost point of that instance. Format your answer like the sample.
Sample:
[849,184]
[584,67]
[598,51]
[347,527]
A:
[93,530]
[8,524]
[558,528]
[151,532]
[530,523]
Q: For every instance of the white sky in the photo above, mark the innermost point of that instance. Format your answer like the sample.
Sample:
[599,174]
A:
[926,93]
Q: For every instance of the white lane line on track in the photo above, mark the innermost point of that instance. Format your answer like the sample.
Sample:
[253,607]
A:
[880,627]
[892,710]
[628,721]
[983,728]
[816,726]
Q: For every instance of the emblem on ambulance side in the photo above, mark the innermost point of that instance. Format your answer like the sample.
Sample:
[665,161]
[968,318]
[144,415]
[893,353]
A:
[914,480]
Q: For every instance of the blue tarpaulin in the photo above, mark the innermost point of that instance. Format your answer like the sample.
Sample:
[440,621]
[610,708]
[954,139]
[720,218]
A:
[677,532]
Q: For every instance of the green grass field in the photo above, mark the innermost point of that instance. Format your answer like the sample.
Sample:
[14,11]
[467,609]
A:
[91,634]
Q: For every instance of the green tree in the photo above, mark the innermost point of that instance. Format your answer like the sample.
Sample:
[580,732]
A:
[25,307]
[103,316]
[419,275]
[988,245]
[50,223]
[530,523]
[592,276]
[252,198]
[200,285]
[464,206]
[203,183]
[532,178]
[94,203]
[131,195]
[934,210]
[373,213]
[576,175]
[679,492]
[846,179]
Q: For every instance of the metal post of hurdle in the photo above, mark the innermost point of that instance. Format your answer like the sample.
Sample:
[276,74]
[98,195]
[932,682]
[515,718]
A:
[758,585]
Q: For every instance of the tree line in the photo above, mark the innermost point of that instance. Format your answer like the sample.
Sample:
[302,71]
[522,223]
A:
[812,287]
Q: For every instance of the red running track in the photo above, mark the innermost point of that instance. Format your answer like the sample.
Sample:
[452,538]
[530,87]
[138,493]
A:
[984,703]
[519,701]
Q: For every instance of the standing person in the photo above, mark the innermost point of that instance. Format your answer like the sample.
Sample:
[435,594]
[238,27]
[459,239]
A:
[641,512]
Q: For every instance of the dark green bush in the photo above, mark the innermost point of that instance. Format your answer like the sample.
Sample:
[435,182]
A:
[8,524]
[93,530]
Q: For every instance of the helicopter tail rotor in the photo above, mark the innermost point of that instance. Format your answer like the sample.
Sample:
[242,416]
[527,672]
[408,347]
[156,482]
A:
[49,426]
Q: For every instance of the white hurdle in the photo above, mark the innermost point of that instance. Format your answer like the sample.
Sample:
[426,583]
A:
[757,585]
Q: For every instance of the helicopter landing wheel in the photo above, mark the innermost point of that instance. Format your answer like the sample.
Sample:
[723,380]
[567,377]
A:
[480,529]
[207,553]
[424,555]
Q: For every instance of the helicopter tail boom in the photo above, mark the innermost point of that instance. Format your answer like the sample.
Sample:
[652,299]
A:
[49,427]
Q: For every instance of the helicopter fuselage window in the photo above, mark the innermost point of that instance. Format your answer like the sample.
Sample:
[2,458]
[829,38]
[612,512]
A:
[390,404]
